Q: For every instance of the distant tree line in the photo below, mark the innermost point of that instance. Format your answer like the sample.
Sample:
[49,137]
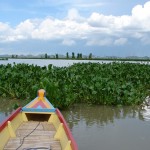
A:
[73,56]
[56,56]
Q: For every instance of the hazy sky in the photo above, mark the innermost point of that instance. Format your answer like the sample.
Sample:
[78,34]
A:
[100,27]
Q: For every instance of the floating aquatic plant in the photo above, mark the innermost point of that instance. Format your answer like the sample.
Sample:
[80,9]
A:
[94,83]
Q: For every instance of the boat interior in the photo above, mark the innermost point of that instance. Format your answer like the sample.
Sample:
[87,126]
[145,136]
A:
[29,130]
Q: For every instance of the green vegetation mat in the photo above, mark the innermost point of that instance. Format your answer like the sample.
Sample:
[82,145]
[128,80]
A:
[94,83]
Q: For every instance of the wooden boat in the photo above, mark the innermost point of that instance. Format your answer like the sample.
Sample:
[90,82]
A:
[36,126]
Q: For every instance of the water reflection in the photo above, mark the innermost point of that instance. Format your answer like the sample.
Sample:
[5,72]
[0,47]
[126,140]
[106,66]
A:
[108,128]
[3,116]
[99,115]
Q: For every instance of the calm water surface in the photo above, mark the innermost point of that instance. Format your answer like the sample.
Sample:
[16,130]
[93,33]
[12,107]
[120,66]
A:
[107,128]
[55,62]
[45,62]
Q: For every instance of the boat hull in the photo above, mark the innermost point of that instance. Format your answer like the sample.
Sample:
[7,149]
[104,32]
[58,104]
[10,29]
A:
[8,129]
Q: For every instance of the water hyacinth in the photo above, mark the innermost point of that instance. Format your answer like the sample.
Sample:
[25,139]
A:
[104,84]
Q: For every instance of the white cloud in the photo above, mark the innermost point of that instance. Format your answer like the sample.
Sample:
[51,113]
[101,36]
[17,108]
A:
[50,29]
[68,42]
[23,30]
[4,27]
[97,29]
[6,32]
[141,17]
[140,12]
[111,22]
[73,14]
[100,20]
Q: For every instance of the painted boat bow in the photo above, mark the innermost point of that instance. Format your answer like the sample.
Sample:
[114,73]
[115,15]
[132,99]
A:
[40,105]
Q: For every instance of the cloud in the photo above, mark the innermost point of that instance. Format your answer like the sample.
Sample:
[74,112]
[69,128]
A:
[68,42]
[140,12]
[140,19]
[97,29]
[50,29]
[73,14]
[4,27]
[6,32]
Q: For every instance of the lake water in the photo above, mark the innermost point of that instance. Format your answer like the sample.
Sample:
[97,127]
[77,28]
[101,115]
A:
[107,128]
[58,63]
[45,62]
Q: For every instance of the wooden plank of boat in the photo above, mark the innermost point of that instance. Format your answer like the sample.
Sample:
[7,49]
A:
[38,125]
[41,137]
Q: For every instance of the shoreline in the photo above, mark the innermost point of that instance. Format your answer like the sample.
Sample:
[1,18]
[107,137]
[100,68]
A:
[96,59]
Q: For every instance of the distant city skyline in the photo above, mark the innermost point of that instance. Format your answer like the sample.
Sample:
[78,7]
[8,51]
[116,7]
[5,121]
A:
[101,27]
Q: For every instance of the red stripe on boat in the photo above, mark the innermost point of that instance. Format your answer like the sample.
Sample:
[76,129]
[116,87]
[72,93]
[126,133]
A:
[69,134]
[9,118]
[39,103]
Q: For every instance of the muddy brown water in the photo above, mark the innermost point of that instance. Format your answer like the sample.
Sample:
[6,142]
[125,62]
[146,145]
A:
[105,127]
[109,128]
